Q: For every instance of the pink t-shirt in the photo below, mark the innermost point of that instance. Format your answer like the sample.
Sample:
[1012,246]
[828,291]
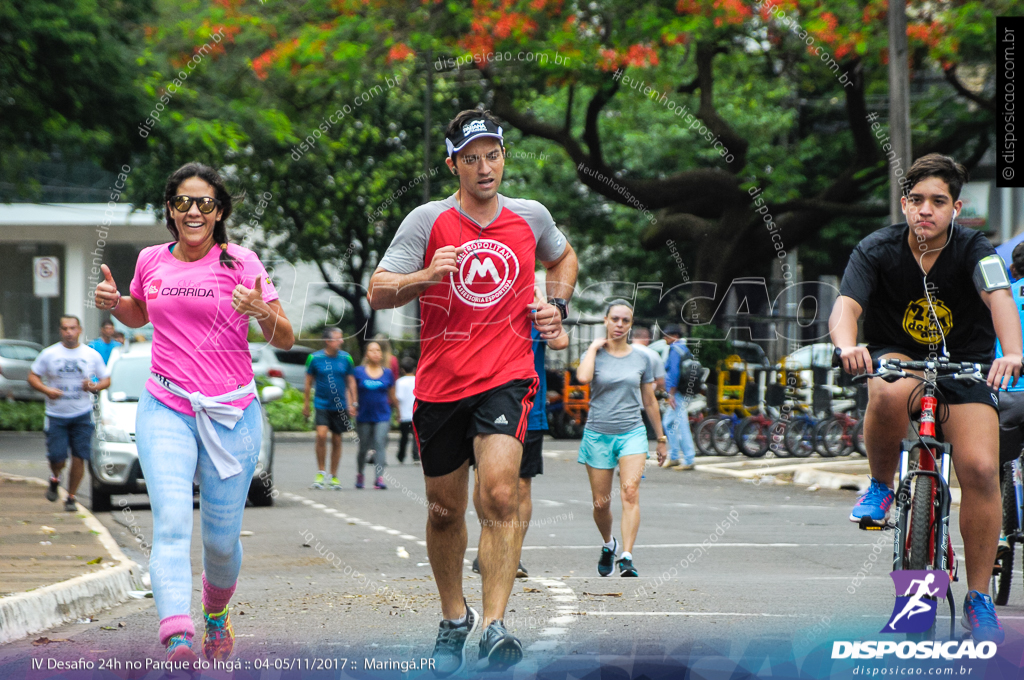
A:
[199,340]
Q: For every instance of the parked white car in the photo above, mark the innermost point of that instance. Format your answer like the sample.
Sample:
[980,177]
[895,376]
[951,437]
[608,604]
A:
[16,357]
[115,468]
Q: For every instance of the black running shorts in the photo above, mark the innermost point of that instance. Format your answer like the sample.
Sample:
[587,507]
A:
[533,458]
[445,430]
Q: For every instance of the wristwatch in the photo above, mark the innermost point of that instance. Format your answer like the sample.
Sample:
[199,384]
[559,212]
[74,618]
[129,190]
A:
[562,304]
[662,439]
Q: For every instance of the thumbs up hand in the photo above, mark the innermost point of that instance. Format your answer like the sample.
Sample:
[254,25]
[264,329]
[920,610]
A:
[249,301]
[106,295]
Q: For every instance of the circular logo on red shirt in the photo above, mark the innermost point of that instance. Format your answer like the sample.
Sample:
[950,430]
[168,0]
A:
[487,270]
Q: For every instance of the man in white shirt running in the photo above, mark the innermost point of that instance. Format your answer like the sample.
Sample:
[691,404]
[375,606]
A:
[72,374]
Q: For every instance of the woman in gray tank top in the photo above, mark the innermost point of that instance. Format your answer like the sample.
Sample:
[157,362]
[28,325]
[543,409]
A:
[622,383]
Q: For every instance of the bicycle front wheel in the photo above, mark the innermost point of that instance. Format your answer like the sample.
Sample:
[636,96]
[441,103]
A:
[858,438]
[1002,573]
[919,540]
[752,437]
[722,438]
[833,438]
[799,440]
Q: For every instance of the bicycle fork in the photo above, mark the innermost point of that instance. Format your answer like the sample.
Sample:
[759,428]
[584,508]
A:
[940,550]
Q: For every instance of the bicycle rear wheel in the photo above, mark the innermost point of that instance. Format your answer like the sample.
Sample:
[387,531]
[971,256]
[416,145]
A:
[777,437]
[722,438]
[752,436]
[919,540]
[1002,573]
[703,434]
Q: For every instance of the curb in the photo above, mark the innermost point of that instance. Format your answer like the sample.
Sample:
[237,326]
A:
[23,614]
[813,474]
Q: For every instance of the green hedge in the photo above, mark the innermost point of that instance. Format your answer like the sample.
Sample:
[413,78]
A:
[22,415]
[285,414]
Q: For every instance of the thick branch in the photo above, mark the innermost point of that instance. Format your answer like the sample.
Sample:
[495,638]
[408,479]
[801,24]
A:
[864,144]
[962,90]
[590,133]
[831,209]
[736,144]
[703,190]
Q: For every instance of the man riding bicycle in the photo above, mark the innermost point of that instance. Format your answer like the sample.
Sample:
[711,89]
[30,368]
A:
[921,285]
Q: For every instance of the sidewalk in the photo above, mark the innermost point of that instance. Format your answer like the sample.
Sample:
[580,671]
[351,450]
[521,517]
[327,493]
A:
[55,566]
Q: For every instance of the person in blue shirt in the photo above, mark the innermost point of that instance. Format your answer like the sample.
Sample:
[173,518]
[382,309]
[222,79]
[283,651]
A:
[333,372]
[678,373]
[106,343]
[376,387]
[532,462]
[1011,399]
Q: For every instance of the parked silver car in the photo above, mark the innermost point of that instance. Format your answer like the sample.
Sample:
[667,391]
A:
[265,364]
[16,357]
[115,465]
[293,362]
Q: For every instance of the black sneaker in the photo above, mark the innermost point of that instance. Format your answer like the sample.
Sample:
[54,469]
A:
[606,564]
[626,567]
[521,571]
[499,647]
[450,648]
[51,493]
[69,504]
[476,565]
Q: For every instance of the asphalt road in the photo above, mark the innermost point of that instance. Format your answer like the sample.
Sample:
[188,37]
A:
[780,568]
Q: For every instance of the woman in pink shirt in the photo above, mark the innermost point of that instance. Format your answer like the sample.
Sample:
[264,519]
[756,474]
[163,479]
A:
[198,418]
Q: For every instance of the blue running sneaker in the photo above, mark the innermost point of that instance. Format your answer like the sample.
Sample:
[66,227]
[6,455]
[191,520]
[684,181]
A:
[499,649]
[450,648]
[606,564]
[875,502]
[980,618]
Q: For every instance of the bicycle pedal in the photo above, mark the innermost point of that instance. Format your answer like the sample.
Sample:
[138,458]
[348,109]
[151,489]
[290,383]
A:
[869,524]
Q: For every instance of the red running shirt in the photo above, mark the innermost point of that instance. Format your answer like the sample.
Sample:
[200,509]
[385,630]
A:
[476,327]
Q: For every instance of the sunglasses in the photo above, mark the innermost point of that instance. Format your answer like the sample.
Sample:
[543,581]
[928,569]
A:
[473,159]
[184,203]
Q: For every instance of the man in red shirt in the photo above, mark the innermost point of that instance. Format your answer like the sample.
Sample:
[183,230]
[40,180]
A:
[470,259]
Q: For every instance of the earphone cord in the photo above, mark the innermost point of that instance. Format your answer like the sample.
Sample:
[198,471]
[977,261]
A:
[928,296]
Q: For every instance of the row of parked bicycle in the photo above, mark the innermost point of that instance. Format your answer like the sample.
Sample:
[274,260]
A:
[782,432]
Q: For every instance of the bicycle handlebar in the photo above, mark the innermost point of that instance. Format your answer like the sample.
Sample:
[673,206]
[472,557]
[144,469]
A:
[891,370]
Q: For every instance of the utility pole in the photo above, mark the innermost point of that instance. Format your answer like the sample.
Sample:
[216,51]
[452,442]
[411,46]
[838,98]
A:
[428,100]
[899,106]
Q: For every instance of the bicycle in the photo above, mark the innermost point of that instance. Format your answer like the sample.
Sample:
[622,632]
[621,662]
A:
[839,434]
[921,537]
[1013,521]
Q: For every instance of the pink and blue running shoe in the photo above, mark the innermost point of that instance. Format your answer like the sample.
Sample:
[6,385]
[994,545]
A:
[875,502]
[980,618]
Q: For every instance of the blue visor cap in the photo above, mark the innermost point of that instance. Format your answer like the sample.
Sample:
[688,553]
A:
[473,129]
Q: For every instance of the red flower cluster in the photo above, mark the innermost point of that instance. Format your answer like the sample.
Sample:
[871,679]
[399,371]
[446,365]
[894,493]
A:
[276,53]
[399,52]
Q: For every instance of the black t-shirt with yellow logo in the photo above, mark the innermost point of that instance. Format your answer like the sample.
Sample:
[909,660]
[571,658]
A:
[884,277]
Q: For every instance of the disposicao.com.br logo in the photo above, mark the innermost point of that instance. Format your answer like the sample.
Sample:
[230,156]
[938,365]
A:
[926,649]
[917,593]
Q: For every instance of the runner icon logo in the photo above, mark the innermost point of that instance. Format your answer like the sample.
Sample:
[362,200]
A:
[154,289]
[917,595]
[487,271]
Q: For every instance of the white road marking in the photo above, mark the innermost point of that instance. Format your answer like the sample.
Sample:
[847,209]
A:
[698,545]
[318,506]
[781,616]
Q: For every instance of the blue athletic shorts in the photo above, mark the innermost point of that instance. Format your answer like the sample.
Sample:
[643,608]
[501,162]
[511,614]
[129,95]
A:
[62,432]
[602,451]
